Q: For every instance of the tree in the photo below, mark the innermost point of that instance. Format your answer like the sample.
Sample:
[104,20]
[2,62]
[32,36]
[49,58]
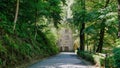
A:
[16,14]
[100,22]
[79,16]
[29,20]
[36,16]
[118,18]
[102,31]
[82,35]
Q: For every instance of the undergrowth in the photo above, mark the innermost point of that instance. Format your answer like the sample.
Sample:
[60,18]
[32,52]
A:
[15,50]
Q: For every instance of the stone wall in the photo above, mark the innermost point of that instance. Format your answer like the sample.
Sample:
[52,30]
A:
[65,40]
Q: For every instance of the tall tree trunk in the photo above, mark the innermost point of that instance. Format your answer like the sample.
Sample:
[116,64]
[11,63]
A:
[36,15]
[16,14]
[82,35]
[119,18]
[94,47]
[87,42]
[102,31]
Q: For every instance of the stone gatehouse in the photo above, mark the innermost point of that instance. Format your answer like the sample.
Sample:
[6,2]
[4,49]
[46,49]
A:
[65,41]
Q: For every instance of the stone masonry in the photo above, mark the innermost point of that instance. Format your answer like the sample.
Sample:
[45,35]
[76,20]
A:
[65,40]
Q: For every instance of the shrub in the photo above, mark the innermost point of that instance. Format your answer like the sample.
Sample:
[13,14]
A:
[107,62]
[102,62]
[111,62]
[86,55]
[26,48]
[116,56]
[116,53]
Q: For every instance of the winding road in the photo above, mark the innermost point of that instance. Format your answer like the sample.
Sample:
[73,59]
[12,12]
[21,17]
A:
[62,60]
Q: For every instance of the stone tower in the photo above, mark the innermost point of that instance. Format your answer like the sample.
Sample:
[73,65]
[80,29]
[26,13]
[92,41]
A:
[65,40]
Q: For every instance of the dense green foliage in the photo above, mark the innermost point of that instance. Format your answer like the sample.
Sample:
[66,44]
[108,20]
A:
[104,60]
[116,53]
[101,27]
[26,29]
[31,35]
[16,50]
[94,14]
[87,56]
[117,57]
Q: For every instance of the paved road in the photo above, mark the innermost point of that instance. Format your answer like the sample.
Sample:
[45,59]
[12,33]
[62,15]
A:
[62,60]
